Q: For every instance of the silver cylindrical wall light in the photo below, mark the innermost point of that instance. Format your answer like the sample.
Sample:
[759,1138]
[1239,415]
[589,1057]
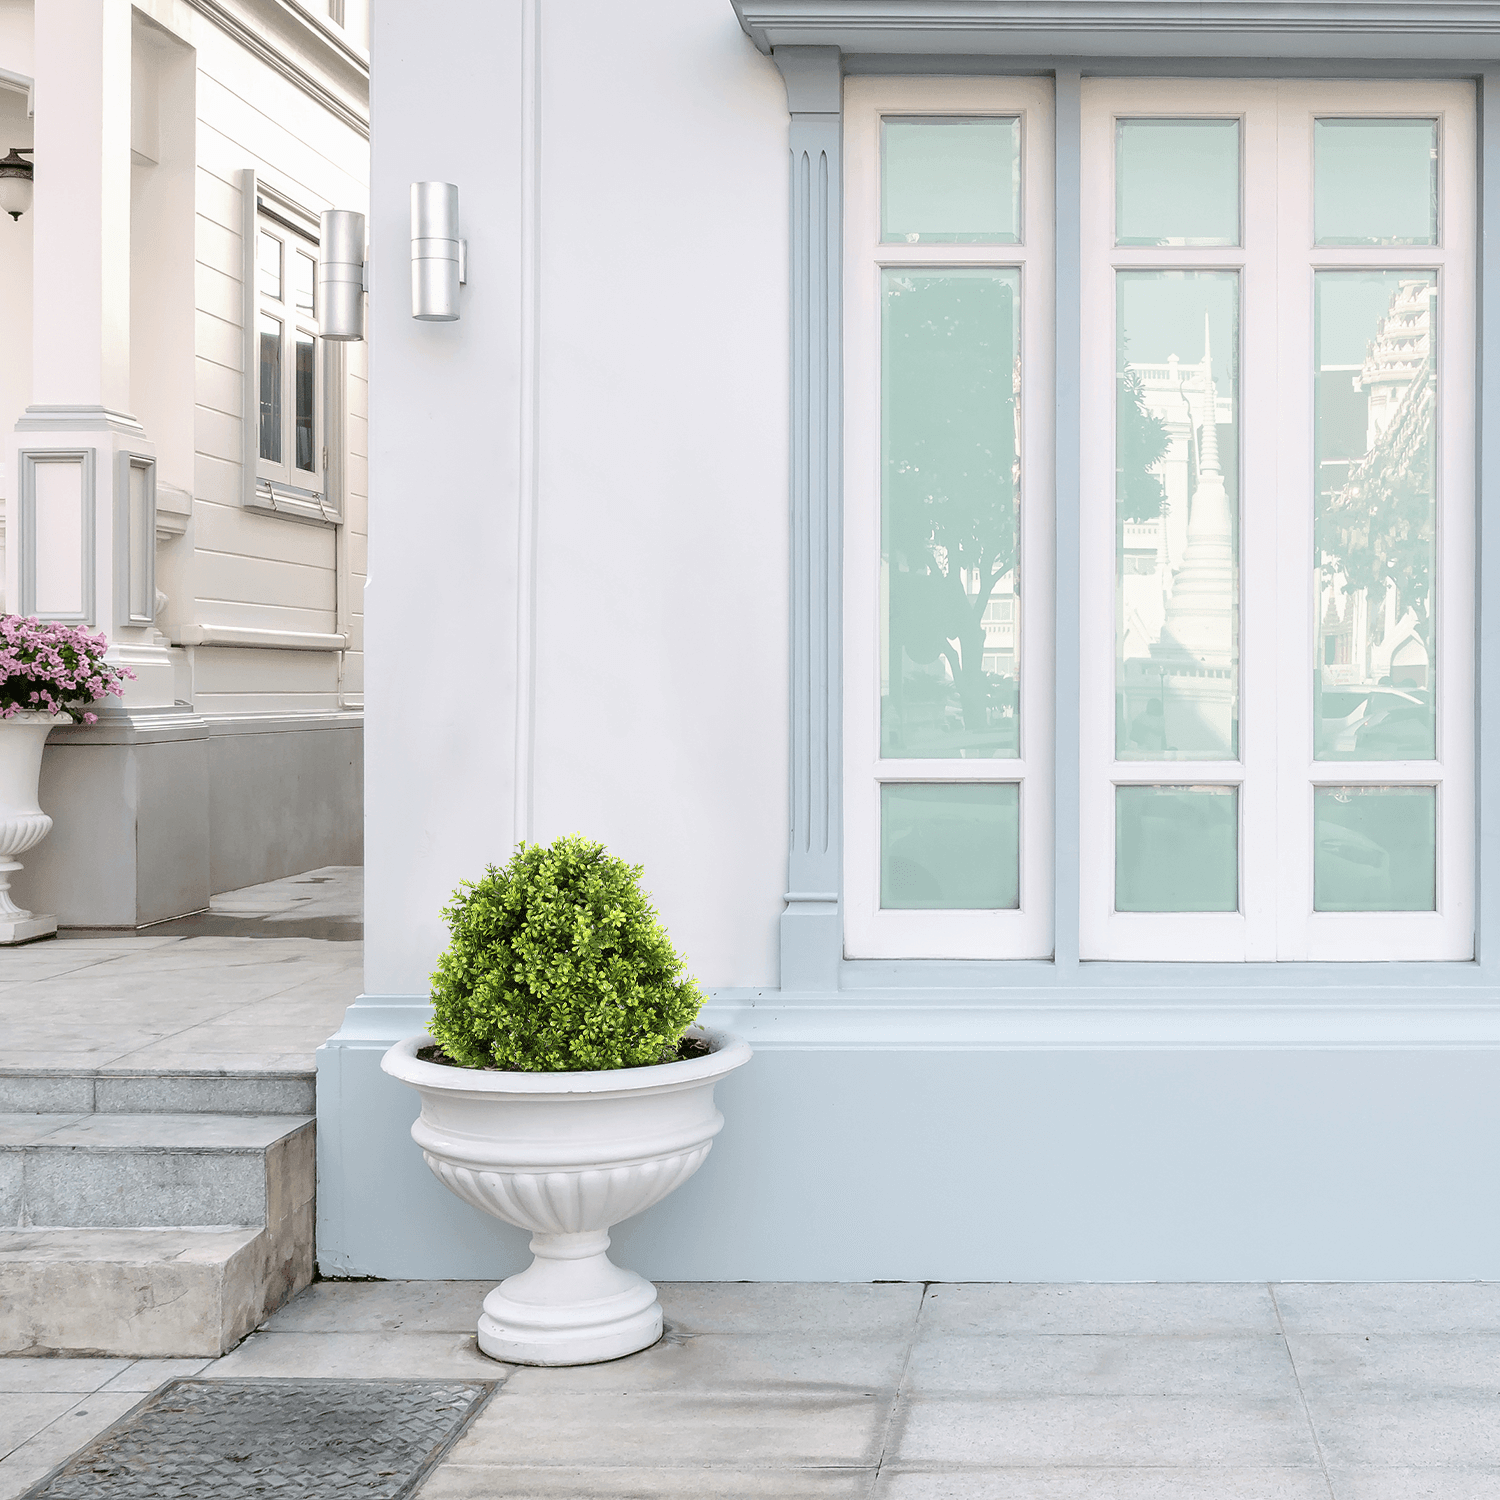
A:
[341,276]
[436,252]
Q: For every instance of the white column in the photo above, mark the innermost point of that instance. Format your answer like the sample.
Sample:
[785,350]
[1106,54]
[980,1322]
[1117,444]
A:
[80,519]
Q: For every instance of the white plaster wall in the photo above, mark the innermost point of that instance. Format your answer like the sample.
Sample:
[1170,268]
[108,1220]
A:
[15,238]
[661,586]
[660,548]
[15,275]
[444,443]
[162,172]
[16,37]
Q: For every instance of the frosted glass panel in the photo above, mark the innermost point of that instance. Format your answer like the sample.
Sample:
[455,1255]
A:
[1376,848]
[951,181]
[269,256]
[1176,520]
[1176,848]
[1376,509]
[306,386]
[270,389]
[950,847]
[1177,182]
[1376,182]
[950,604]
[304,280]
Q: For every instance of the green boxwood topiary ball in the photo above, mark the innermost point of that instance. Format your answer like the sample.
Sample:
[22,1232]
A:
[559,964]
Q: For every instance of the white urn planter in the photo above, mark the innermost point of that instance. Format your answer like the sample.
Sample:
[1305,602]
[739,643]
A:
[23,824]
[567,1156]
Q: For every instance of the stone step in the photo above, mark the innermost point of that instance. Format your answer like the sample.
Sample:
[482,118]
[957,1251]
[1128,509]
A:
[37,1091]
[144,1293]
[136,1171]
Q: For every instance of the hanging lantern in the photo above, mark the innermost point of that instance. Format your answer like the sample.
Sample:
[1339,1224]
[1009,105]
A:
[15,181]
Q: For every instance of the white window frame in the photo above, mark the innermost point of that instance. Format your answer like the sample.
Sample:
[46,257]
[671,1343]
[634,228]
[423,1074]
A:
[1276,774]
[869,930]
[280,488]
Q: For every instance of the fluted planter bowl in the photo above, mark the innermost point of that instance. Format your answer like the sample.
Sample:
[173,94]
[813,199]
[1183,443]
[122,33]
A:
[567,1156]
[23,824]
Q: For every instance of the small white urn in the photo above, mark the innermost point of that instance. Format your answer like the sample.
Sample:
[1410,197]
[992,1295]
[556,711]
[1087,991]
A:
[23,824]
[567,1155]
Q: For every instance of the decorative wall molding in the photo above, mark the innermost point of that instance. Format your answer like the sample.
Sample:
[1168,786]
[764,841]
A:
[1331,28]
[135,550]
[811,927]
[297,721]
[161,725]
[19,83]
[174,509]
[271,640]
[286,209]
[79,419]
[323,66]
[29,461]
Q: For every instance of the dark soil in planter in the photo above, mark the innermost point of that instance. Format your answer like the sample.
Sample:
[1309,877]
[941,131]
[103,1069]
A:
[688,1048]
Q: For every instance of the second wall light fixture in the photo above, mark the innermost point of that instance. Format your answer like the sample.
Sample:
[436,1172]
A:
[438,256]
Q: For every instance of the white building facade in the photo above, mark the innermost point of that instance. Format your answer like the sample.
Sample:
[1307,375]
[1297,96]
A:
[899,475]
[185,455]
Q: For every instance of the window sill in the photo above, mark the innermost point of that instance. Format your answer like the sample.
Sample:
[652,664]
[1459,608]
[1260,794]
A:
[292,505]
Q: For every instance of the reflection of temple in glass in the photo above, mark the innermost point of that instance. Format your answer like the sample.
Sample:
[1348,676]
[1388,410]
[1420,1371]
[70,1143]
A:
[1376,424]
[1178,591]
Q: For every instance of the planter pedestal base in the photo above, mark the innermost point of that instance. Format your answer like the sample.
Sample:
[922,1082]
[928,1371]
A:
[571,1306]
[566,1155]
[25,927]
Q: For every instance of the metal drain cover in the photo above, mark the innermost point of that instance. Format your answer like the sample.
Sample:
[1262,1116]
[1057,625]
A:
[216,1439]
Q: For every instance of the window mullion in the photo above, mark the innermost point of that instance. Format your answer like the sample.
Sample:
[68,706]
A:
[1067,478]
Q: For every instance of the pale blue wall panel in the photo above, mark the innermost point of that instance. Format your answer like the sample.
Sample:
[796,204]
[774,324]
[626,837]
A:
[1242,1165]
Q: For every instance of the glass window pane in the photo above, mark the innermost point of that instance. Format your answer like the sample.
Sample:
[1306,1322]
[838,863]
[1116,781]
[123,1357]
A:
[306,388]
[270,266]
[1177,182]
[1176,516]
[1376,509]
[304,278]
[953,181]
[950,847]
[1176,848]
[1375,848]
[270,389]
[1376,182]
[950,521]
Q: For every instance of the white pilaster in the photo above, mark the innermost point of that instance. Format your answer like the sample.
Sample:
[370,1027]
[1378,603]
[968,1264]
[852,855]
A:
[75,554]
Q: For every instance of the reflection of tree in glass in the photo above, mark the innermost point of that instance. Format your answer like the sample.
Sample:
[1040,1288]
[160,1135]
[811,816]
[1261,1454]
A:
[951,492]
[1141,444]
[1378,530]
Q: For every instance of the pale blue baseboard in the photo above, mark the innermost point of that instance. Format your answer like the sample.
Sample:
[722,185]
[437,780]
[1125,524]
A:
[1173,1164]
